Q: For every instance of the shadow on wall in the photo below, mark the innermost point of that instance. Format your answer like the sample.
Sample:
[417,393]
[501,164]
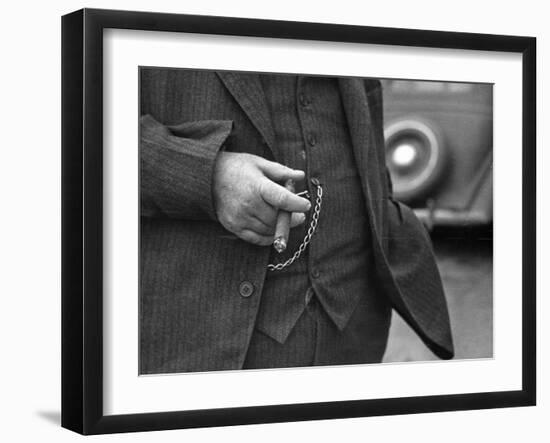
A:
[54,417]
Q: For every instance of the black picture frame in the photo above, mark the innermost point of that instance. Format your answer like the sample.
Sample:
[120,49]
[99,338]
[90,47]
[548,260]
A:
[82,218]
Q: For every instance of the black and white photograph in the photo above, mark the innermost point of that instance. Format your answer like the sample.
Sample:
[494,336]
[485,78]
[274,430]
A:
[278,221]
[291,220]
[275,222]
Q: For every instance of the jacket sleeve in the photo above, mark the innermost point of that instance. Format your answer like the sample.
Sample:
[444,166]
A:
[177,166]
[407,265]
[419,296]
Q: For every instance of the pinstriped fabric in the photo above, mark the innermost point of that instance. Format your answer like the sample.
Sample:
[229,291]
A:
[368,147]
[177,161]
[404,258]
[306,109]
[299,349]
[247,90]
[283,299]
[412,287]
[315,340]
[192,314]
[191,320]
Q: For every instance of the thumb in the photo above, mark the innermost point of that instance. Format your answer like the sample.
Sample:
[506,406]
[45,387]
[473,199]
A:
[278,172]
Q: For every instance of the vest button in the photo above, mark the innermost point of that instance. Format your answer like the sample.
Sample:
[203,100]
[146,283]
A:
[311,140]
[304,101]
[246,289]
[315,273]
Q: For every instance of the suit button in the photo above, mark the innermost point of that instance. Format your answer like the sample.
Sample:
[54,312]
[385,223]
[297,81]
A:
[246,289]
[304,101]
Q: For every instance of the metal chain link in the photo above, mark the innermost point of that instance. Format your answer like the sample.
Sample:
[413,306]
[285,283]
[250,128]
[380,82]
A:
[307,238]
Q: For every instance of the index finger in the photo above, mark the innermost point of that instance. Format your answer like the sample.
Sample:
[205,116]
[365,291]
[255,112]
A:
[281,198]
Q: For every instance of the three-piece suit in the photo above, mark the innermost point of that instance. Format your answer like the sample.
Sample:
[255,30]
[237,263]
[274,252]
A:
[207,299]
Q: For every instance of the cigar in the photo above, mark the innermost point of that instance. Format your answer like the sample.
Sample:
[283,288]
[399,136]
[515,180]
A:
[282,228]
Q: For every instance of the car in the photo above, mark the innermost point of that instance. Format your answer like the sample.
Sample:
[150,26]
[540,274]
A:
[439,149]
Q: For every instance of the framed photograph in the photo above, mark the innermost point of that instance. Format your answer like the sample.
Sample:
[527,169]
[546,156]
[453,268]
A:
[268,221]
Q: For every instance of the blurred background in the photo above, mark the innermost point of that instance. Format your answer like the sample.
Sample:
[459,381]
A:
[439,151]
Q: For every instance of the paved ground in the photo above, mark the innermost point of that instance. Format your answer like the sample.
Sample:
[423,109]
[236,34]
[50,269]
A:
[466,265]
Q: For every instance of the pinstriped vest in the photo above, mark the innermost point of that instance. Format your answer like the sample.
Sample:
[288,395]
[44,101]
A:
[312,135]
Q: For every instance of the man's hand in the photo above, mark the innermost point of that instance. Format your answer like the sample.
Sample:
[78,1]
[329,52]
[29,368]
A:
[247,196]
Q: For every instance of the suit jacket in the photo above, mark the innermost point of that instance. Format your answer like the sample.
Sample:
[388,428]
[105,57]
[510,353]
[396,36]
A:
[193,315]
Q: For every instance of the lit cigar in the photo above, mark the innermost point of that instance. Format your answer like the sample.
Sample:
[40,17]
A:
[282,228]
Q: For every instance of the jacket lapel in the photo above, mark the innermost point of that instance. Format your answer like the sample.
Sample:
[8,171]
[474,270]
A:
[247,90]
[359,118]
